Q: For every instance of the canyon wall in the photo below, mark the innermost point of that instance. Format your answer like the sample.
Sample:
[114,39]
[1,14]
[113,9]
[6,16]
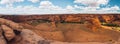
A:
[64,17]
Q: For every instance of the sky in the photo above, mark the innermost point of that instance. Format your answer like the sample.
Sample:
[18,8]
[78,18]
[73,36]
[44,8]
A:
[59,6]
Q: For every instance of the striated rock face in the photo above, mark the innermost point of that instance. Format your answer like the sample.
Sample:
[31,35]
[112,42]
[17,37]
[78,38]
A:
[2,40]
[94,20]
[8,32]
[108,18]
[65,17]
[118,16]
[72,19]
[93,23]
[11,24]
[27,37]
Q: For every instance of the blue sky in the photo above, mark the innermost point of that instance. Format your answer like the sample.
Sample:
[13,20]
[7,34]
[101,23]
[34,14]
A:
[58,6]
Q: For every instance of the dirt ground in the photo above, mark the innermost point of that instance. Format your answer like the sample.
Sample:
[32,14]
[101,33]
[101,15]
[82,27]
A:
[71,32]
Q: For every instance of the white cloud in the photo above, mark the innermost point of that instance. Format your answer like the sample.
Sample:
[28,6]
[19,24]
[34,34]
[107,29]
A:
[93,3]
[36,10]
[45,3]
[89,9]
[46,7]
[104,2]
[10,1]
[114,8]
[93,6]
[69,7]
[34,1]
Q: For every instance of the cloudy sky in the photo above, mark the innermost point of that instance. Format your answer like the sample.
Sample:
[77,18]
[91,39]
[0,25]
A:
[58,6]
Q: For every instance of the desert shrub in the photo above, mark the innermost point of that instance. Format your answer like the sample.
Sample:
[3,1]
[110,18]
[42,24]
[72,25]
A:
[82,22]
[102,23]
[111,24]
[42,21]
[36,22]
[116,28]
[74,22]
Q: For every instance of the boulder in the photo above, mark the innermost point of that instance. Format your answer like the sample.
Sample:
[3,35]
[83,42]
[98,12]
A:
[30,37]
[8,32]
[2,40]
[27,37]
[11,24]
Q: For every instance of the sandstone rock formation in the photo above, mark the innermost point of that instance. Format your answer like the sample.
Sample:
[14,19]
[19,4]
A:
[108,18]
[8,32]
[93,24]
[27,37]
[72,19]
[2,40]
[11,24]
[63,17]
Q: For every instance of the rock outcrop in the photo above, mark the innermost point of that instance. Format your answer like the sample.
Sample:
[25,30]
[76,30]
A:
[63,17]
[27,37]
[72,19]
[2,40]
[13,33]
[93,23]
[8,32]
[108,18]
[11,24]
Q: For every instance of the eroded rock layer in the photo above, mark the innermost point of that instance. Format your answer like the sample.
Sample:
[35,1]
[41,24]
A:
[89,32]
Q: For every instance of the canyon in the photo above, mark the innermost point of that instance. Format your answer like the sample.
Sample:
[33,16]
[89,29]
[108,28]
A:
[63,17]
[64,28]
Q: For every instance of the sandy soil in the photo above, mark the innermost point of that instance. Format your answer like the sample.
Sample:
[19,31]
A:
[73,33]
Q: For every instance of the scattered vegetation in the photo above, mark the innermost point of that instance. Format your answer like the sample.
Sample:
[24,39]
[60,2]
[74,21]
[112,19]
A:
[116,28]
[110,24]
[81,22]
[36,22]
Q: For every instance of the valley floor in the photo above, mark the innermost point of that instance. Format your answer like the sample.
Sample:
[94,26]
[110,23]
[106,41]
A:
[72,32]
